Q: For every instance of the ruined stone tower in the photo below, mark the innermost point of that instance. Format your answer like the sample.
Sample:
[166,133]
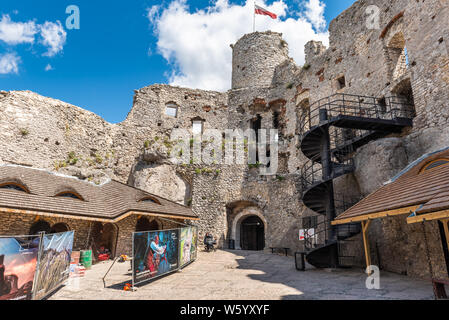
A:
[255,58]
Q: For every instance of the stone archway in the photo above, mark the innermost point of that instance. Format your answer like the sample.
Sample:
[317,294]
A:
[242,216]
[144,224]
[104,236]
[40,226]
[60,227]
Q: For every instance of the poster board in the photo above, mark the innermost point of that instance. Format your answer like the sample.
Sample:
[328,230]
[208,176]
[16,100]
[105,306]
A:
[54,263]
[155,253]
[18,262]
[187,245]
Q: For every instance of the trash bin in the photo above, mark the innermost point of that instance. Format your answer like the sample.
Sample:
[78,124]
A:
[86,258]
[300,261]
[232,244]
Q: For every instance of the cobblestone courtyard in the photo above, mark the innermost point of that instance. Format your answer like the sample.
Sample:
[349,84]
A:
[244,275]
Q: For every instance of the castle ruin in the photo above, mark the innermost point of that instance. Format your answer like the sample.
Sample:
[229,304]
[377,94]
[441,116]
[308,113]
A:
[406,58]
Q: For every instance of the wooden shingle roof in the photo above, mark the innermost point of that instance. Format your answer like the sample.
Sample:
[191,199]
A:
[413,190]
[111,201]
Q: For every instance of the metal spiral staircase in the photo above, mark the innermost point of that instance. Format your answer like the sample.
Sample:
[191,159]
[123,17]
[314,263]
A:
[330,131]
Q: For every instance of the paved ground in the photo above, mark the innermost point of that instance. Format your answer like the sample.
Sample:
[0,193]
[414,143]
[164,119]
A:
[225,275]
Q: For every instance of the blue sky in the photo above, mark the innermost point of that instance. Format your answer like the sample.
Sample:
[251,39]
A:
[123,46]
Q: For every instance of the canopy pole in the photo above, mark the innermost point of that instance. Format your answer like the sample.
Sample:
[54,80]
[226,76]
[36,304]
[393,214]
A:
[365,225]
[446,230]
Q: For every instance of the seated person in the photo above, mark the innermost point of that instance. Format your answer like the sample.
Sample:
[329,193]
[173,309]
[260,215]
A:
[208,239]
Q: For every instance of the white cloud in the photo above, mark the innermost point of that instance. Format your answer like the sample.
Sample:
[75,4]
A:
[315,13]
[9,63]
[197,44]
[17,32]
[53,36]
[48,67]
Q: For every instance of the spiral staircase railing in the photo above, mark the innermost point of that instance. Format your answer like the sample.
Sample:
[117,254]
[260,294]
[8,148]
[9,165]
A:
[349,122]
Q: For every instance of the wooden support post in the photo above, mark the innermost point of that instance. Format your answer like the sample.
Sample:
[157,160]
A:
[446,230]
[365,225]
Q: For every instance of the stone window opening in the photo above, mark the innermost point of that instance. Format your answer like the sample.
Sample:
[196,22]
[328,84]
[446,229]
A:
[403,94]
[341,82]
[276,116]
[303,115]
[197,126]
[256,125]
[171,109]
[397,56]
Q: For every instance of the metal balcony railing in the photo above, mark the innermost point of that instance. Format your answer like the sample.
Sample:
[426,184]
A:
[388,108]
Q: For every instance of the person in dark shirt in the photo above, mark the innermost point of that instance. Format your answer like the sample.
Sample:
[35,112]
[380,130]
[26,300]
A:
[208,238]
[209,242]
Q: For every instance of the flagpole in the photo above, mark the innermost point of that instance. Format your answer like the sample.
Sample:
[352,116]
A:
[254,19]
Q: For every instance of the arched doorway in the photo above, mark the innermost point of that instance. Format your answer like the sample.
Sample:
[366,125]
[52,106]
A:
[59,227]
[104,238]
[143,224]
[40,226]
[238,212]
[252,234]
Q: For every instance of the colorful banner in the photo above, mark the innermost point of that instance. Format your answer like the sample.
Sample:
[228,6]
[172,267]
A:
[155,253]
[18,261]
[187,245]
[54,263]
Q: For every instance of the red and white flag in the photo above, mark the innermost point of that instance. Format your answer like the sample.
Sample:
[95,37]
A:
[265,12]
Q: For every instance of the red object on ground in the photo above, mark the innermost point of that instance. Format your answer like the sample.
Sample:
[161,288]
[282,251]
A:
[81,271]
[103,257]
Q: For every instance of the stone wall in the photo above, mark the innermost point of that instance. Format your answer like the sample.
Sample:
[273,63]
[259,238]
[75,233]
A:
[13,224]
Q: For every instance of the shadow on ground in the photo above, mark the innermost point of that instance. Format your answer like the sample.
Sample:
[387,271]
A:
[336,284]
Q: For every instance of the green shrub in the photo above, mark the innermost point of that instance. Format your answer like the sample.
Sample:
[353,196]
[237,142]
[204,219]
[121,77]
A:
[280,178]
[98,158]
[254,165]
